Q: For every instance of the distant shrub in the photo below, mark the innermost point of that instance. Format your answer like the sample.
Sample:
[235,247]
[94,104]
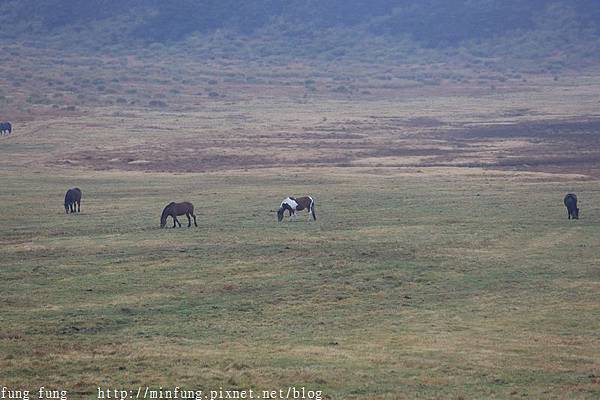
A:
[157,103]
[341,89]
[254,80]
[38,99]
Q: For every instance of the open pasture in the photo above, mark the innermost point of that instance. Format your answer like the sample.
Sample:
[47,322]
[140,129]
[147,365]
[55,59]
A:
[447,283]
[442,263]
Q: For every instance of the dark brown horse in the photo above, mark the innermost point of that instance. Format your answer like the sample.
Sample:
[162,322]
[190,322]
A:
[73,200]
[174,209]
[5,127]
[570,201]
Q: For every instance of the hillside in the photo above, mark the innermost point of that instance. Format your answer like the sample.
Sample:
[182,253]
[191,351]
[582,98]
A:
[558,33]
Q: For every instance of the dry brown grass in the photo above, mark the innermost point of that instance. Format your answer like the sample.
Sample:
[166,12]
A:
[452,274]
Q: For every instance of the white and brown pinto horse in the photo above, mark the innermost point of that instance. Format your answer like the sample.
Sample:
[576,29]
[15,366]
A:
[295,204]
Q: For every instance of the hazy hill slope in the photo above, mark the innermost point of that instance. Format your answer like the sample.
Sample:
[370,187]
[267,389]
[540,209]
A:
[530,29]
[435,22]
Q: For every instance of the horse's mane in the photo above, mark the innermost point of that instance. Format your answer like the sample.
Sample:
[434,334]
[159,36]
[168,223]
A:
[167,209]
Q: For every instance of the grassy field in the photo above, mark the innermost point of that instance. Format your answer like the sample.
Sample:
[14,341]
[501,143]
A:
[445,283]
[442,264]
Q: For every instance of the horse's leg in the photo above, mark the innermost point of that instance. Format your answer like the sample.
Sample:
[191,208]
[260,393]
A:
[177,221]
[79,206]
[189,219]
[195,220]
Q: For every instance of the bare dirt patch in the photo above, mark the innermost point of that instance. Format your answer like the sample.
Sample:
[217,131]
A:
[557,146]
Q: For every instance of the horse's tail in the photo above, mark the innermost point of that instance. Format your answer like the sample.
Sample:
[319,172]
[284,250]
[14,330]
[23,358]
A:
[312,209]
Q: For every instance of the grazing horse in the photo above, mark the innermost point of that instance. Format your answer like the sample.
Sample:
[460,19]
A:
[72,199]
[294,204]
[571,204]
[5,127]
[174,209]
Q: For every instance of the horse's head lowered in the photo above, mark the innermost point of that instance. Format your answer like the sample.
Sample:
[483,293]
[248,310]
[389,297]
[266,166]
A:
[166,212]
[287,204]
[280,213]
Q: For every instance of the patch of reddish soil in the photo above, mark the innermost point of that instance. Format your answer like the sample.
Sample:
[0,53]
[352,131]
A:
[557,146]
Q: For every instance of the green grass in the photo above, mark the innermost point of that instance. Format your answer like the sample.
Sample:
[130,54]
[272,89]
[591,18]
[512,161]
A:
[433,285]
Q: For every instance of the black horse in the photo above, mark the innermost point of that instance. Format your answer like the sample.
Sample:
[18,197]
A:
[5,127]
[174,209]
[73,199]
[571,204]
